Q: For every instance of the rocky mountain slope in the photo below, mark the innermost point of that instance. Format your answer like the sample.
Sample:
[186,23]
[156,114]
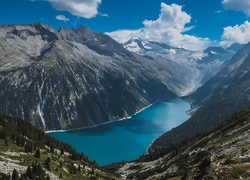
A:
[75,77]
[28,153]
[193,68]
[216,100]
[223,153]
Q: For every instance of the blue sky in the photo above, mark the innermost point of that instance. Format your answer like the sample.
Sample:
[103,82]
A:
[191,24]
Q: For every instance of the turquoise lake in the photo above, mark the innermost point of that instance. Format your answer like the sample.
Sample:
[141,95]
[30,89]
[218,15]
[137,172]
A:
[127,139]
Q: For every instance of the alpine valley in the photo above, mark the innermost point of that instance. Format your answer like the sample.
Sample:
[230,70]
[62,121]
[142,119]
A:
[75,78]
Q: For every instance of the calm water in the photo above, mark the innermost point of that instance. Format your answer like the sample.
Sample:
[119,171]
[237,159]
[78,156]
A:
[127,139]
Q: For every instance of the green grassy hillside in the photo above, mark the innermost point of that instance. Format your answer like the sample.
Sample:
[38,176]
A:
[28,153]
[223,153]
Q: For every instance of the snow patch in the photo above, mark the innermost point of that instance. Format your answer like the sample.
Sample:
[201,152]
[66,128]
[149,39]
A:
[172,51]
[41,103]
[212,52]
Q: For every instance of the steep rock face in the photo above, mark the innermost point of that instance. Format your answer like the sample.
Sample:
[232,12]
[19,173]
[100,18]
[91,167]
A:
[191,68]
[74,78]
[216,100]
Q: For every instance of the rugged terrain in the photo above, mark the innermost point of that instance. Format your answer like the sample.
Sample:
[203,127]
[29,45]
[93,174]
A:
[32,154]
[75,77]
[223,153]
[192,68]
[225,93]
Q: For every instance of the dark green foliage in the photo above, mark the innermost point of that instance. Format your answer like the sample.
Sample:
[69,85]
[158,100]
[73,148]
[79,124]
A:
[15,175]
[62,151]
[52,149]
[23,177]
[27,148]
[72,169]
[16,129]
[20,132]
[22,142]
[37,170]
[38,153]
[229,161]
[6,142]
[203,169]
[47,163]
[2,134]
[29,173]
[61,164]
[18,140]
[4,176]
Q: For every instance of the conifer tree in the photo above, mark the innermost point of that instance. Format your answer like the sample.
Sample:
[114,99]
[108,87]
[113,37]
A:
[38,154]
[15,175]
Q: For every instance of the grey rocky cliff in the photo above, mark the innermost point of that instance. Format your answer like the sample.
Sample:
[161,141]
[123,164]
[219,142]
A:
[74,77]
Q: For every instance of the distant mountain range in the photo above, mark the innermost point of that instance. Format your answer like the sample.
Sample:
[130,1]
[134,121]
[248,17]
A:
[192,68]
[214,102]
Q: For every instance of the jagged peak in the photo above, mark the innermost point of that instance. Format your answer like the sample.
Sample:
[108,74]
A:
[135,38]
[235,47]
[47,32]
[215,49]
[85,30]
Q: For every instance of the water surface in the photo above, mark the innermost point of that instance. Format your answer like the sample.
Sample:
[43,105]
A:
[127,139]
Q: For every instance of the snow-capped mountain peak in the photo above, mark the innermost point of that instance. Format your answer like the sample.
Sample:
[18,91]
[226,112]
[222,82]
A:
[135,44]
[195,66]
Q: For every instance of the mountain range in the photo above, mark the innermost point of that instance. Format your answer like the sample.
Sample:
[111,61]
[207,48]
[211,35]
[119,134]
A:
[214,102]
[76,77]
[192,68]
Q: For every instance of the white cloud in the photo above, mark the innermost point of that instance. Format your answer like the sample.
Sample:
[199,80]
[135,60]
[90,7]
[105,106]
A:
[62,18]
[81,8]
[217,12]
[168,28]
[104,15]
[237,5]
[237,33]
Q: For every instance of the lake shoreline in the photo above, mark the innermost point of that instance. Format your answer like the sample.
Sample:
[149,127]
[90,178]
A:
[186,112]
[104,123]
[128,138]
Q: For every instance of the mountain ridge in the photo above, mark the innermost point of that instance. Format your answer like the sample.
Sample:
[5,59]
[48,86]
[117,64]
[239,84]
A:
[215,101]
[73,81]
[193,68]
